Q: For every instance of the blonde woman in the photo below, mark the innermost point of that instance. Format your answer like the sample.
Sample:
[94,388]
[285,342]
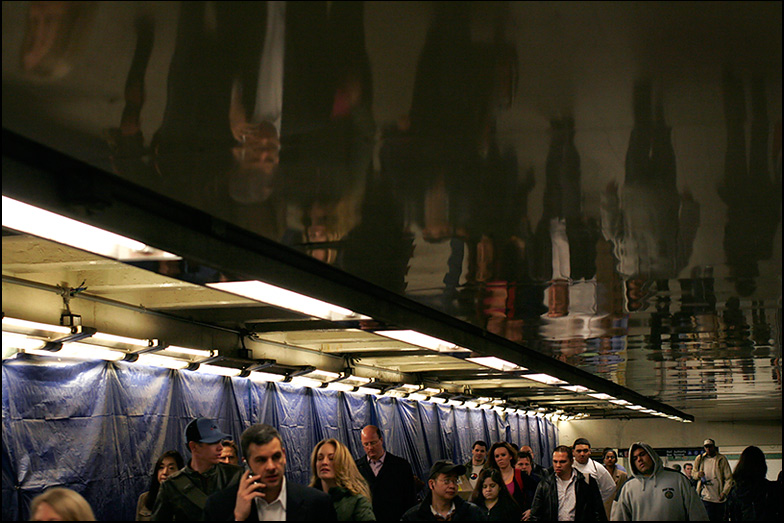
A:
[60,504]
[333,470]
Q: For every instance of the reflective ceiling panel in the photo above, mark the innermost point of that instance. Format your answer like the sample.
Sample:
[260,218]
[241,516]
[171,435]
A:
[599,182]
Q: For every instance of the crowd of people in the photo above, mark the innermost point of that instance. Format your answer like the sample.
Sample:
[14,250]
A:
[503,483]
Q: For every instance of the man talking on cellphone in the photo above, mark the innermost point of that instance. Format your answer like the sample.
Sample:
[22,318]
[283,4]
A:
[262,492]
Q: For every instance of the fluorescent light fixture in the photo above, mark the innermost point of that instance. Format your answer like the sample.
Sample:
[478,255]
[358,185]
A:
[44,224]
[265,377]
[407,387]
[577,388]
[323,375]
[437,399]
[453,403]
[485,406]
[286,299]
[635,407]
[13,342]
[422,340]
[189,352]
[111,338]
[302,381]
[339,385]
[218,370]
[622,403]
[369,390]
[80,351]
[546,379]
[602,396]
[28,327]
[416,396]
[496,363]
[471,404]
[156,360]
[357,380]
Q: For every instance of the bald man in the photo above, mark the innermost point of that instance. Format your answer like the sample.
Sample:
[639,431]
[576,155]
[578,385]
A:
[390,478]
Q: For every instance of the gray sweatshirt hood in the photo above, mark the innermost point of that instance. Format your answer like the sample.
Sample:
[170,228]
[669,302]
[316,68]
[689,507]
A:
[657,463]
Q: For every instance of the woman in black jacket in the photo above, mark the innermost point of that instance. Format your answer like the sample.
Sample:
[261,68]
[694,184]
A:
[753,497]
[491,495]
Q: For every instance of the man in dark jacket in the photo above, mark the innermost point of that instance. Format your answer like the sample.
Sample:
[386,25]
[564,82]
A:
[390,477]
[182,497]
[442,502]
[261,492]
[579,500]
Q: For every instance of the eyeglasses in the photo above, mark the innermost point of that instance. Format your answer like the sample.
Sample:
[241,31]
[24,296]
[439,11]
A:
[449,481]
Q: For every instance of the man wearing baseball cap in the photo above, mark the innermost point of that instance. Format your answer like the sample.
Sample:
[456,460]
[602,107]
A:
[714,476]
[182,497]
[442,502]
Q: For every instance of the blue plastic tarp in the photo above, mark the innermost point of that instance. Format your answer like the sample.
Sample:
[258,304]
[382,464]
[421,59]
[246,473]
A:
[98,427]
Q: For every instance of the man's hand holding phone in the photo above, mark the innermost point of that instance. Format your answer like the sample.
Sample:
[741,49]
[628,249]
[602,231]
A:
[250,488]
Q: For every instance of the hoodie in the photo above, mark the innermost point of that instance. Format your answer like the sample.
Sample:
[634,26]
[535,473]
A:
[663,495]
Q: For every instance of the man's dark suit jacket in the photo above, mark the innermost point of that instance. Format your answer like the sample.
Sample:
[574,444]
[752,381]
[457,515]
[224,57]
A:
[302,504]
[393,489]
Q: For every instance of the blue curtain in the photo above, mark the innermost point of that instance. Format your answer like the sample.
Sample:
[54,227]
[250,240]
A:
[98,427]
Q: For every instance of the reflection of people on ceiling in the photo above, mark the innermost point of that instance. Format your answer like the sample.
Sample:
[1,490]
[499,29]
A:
[328,127]
[651,225]
[448,164]
[55,32]
[753,199]
[564,241]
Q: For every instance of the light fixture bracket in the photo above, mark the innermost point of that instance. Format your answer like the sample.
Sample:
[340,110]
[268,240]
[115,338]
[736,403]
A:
[78,332]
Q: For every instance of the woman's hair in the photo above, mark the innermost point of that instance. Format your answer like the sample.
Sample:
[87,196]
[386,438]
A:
[608,449]
[751,466]
[508,447]
[347,474]
[478,497]
[70,505]
[154,483]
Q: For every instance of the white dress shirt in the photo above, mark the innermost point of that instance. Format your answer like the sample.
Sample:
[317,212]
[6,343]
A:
[599,473]
[276,510]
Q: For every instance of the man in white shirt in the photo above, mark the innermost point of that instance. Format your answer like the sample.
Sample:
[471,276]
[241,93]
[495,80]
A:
[262,493]
[584,464]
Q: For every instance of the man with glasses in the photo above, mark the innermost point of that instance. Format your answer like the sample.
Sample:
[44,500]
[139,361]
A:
[442,502]
[390,477]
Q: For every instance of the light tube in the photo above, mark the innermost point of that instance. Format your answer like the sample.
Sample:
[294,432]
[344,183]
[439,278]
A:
[302,381]
[546,379]
[156,360]
[286,299]
[422,340]
[218,370]
[27,327]
[44,224]
[265,377]
[496,363]
[189,352]
[339,385]
[80,351]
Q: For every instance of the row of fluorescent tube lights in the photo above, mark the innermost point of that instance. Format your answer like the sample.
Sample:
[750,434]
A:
[28,337]
[38,222]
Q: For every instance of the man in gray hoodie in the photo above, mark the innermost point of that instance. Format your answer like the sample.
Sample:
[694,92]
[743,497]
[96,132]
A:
[655,493]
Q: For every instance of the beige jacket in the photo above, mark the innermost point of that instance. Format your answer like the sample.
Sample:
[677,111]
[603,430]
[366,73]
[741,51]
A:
[723,473]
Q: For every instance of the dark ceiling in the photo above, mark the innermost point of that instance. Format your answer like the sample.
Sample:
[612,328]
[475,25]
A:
[597,182]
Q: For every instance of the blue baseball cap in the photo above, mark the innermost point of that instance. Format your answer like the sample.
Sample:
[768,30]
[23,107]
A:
[204,430]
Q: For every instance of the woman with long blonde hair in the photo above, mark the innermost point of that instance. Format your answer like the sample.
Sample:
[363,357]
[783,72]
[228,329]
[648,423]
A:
[333,470]
[60,504]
